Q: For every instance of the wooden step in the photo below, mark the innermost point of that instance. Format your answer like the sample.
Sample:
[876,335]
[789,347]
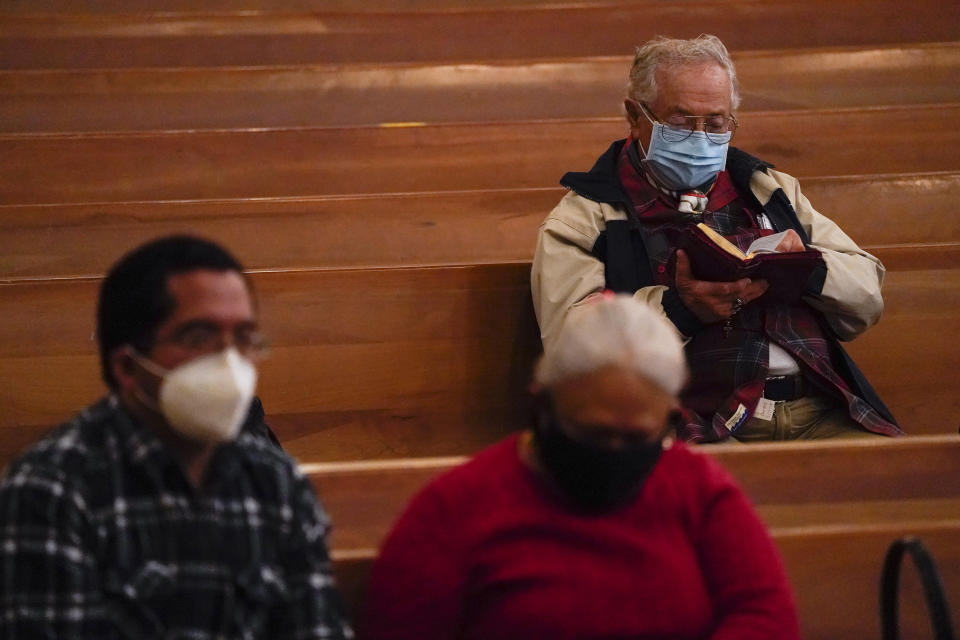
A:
[263,6]
[834,573]
[910,354]
[793,484]
[54,169]
[427,346]
[87,38]
[480,91]
[436,339]
[910,217]
[833,536]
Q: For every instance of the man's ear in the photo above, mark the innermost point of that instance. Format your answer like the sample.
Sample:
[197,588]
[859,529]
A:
[123,367]
[635,118]
[632,109]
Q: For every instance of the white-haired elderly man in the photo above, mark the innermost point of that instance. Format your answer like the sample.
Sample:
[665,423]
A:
[589,525]
[762,366]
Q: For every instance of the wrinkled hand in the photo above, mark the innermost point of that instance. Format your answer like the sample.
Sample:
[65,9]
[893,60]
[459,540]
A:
[714,301]
[790,243]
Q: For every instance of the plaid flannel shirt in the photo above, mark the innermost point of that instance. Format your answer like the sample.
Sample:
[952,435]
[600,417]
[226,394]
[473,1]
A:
[102,536]
[727,372]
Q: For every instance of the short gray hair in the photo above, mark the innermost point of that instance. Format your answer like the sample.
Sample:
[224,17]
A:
[664,52]
[618,331]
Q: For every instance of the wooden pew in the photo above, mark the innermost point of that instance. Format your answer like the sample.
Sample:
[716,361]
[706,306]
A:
[834,572]
[831,520]
[93,38]
[446,352]
[911,217]
[339,95]
[785,480]
[67,168]
[437,349]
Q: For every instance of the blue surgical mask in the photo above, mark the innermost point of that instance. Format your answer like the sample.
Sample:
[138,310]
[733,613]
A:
[689,163]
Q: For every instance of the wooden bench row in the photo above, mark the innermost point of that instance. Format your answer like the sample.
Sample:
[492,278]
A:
[834,572]
[84,36]
[909,217]
[832,519]
[75,8]
[339,95]
[365,497]
[420,361]
[75,168]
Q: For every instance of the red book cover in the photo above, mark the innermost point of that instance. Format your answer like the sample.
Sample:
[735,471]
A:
[714,258]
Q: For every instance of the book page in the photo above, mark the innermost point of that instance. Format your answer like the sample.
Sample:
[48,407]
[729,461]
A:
[767,244]
[722,242]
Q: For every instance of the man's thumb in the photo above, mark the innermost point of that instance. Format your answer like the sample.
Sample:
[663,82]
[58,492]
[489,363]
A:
[683,266]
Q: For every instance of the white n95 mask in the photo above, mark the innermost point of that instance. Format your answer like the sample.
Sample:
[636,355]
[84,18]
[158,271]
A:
[207,398]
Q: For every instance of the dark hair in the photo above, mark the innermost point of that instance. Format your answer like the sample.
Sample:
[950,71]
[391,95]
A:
[134,300]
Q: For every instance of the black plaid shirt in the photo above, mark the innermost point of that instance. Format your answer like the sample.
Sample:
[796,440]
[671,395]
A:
[102,536]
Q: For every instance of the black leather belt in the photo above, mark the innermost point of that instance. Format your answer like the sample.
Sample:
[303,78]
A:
[784,388]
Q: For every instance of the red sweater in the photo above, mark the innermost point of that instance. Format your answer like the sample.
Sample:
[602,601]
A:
[488,551]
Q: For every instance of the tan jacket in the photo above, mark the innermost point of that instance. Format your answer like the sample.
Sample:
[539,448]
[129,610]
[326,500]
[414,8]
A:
[565,272]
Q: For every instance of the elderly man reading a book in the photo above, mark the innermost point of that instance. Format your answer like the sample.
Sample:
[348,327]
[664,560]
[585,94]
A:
[761,286]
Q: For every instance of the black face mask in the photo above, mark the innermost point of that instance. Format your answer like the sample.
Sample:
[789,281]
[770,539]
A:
[593,478]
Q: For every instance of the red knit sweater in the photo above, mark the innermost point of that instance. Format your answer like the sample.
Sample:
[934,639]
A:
[489,551]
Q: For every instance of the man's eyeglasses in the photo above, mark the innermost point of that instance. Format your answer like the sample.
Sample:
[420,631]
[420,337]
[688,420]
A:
[678,128]
[205,338]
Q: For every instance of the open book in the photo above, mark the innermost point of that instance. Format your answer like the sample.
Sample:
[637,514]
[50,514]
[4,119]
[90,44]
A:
[713,257]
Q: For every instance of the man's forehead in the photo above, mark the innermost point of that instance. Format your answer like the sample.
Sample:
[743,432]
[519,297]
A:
[207,290]
[701,88]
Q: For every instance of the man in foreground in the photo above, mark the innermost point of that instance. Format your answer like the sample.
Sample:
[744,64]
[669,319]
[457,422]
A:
[764,364]
[165,509]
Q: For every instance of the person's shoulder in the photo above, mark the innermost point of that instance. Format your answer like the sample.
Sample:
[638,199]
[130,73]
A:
[476,476]
[279,477]
[265,456]
[581,214]
[695,466]
[74,444]
[69,453]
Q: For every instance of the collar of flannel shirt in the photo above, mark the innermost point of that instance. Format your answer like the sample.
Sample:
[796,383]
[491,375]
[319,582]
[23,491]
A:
[150,457]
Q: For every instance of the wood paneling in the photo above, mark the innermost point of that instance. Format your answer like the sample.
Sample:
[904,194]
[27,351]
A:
[910,218]
[433,346]
[484,91]
[822,482]
[38,169]
[457,339]
[834,572]
[470,33]
[831,520]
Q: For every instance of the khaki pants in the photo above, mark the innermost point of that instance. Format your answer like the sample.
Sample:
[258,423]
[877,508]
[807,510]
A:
[807,418]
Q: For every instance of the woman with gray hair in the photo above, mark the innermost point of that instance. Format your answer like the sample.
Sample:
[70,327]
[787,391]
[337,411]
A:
[593,524]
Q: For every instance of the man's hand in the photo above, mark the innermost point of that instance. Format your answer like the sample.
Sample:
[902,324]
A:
[715,301]
[790,243]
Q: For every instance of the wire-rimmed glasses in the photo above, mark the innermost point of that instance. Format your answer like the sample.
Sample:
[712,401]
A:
[678,128]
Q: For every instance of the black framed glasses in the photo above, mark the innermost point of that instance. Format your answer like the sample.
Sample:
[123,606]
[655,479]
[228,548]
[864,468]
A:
[678,128]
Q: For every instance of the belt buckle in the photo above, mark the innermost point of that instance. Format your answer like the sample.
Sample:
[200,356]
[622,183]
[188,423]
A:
[782,381]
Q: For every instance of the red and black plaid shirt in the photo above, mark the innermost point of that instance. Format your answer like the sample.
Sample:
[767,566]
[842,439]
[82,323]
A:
[728,370]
